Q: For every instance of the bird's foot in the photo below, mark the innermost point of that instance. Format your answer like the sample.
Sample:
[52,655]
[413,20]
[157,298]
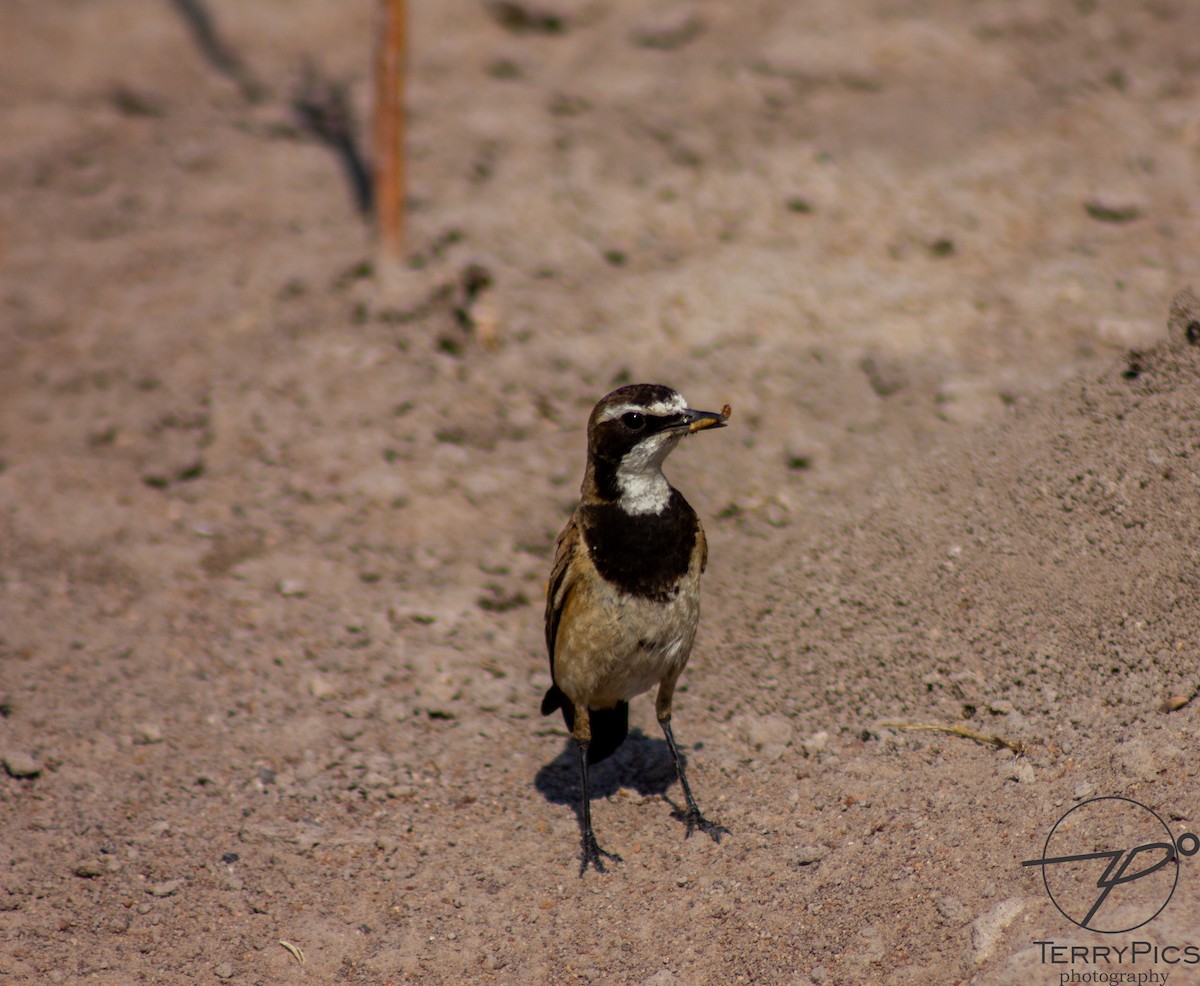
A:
[695,821]
[593,855]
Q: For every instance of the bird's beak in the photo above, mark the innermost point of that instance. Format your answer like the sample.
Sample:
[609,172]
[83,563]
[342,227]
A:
[699,420]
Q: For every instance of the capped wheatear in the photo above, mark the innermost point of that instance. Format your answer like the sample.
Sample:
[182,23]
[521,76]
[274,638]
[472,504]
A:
[624,596]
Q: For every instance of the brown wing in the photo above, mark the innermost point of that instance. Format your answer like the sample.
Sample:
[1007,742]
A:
[701,545]
[562,581]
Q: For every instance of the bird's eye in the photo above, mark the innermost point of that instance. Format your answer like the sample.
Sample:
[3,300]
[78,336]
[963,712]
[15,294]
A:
[633,420]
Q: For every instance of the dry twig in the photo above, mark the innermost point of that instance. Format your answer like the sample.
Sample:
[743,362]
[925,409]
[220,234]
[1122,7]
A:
[999,742]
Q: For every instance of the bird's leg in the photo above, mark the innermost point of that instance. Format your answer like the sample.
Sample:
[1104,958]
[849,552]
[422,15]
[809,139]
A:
[592,854]
[692,816]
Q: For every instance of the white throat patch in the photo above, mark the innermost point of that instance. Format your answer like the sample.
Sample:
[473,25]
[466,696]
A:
[644,488]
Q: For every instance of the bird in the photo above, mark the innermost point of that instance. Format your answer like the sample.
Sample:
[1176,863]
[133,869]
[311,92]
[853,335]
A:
[623,600]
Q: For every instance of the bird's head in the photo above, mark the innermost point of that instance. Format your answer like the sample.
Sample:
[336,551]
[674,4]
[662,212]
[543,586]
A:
[630,434]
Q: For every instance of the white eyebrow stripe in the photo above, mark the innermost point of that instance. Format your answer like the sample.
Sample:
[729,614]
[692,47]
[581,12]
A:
[676,405]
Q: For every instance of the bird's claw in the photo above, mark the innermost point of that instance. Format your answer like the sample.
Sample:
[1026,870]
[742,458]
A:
[593,855]
[695,821]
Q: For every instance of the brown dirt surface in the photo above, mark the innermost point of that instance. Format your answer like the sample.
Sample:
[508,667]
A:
[275,526]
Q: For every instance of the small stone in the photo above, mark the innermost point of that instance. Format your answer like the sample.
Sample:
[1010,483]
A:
[806,855]
[147,734]
[89,869]
[167,888]
[816,743]
[319,687]
[1111,207]
[664,977]
[224,970]
[987,929]
[1173,703]
[1018,770]
[1084,789]
[669,29]
[21,765]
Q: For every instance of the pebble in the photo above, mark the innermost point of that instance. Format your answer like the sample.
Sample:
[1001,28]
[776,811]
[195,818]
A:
[1084,790]
[987,929]
[319,687]
[816,743]
[89,869]
[167,888]
[1020,771]
[21,765]
[668,29]
[808,854]
[147,734]
[224,970]
[1115,207]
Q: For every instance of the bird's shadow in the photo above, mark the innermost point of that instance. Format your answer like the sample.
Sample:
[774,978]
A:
[642,764]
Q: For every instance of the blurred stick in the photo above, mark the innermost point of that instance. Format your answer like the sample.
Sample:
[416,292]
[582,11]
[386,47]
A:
[390,62]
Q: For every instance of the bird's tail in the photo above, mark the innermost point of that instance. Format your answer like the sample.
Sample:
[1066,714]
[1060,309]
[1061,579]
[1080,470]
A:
[609,726]
[609,729]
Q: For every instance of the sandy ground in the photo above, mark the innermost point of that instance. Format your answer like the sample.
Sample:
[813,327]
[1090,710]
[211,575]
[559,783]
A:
[275,529]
